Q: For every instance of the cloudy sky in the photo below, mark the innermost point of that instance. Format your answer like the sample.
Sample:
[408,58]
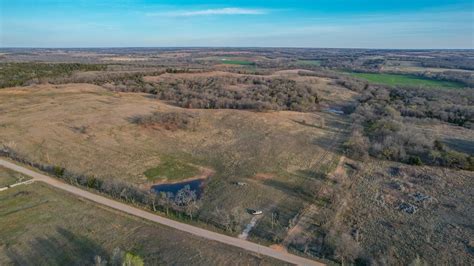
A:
[270,23]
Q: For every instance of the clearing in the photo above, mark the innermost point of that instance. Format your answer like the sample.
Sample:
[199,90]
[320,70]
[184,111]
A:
[407,80]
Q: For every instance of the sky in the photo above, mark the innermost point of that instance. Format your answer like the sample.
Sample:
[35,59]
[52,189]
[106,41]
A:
[400,24]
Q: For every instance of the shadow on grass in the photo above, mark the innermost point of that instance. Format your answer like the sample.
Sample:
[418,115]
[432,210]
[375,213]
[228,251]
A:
[64,248]
[461,145]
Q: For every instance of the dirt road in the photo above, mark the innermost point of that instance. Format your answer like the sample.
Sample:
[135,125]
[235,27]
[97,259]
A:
[263,250]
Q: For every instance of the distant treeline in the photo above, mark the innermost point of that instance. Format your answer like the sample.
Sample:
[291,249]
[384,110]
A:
[21,74]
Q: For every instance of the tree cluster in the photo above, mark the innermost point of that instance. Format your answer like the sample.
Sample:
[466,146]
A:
[257,93]
[381,131]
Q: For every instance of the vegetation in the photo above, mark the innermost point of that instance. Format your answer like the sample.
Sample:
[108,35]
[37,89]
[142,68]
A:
[171,169]
[20,74]
[169,121]
[113,136]
[309,62]
[237,62]
[256,93]
[379,130]
[406,80]
[8,177]
[85,234]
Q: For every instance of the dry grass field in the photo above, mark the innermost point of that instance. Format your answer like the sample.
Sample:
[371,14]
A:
[9,177]
[438,231]
[33,232]
[88,130]
[337,186]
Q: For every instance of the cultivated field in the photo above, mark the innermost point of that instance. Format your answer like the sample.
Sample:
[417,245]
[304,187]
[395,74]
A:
[406,80]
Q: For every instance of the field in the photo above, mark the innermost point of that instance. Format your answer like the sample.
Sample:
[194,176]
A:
[237,62]
[33,232]
[406,80]
[283,156]
[439,196]
[172,170]
[344,170]
[309,62]
[8,177]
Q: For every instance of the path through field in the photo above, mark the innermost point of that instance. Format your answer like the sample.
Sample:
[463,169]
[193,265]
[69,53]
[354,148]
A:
[263,250]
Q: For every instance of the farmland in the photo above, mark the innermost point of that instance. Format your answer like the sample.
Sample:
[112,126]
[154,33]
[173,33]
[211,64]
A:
[406,80]
[337,163]
[309,62]
[237,62]
[8,177]
[170,169]
[84,231]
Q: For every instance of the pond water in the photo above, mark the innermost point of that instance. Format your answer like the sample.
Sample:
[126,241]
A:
[335,111]
[195,185]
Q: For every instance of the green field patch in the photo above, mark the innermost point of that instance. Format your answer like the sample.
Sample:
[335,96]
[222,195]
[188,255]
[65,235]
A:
[309,62]
[171,169]
[237,62]
[406,80]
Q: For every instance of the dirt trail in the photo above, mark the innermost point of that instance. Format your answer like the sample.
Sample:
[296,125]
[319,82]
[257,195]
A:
[305,218]
[339,171]
[249,246]
[17,184]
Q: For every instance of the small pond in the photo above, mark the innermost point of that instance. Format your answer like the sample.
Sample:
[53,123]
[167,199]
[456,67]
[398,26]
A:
[335,111]
[195,185]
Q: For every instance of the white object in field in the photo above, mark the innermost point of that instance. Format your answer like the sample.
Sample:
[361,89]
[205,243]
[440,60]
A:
[257,212]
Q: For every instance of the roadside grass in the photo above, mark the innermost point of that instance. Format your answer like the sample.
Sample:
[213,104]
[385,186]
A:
[406,80]
[32,233]
[9,177]
[171,169]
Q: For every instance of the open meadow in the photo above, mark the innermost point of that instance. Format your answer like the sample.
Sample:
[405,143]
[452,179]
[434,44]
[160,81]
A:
[33,232]
[281,147]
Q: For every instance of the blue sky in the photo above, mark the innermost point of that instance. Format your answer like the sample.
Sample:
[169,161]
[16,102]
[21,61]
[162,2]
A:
[297,23]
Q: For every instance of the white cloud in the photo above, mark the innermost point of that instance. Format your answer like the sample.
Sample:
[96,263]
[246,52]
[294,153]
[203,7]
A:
[209,12]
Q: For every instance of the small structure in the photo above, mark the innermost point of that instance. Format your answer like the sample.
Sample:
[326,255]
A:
[256,212]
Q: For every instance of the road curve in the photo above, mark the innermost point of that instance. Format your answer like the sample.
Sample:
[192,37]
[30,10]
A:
[240,243]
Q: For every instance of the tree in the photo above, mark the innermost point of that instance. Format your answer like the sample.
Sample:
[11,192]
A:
[185,196]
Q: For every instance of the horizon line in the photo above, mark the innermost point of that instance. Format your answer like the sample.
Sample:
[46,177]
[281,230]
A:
[225,47]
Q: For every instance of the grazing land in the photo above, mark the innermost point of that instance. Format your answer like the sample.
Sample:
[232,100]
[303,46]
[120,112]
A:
[237,62]
[309,62]
[406,80]
[9,177]
[32,233]
[368,167]
[171,169]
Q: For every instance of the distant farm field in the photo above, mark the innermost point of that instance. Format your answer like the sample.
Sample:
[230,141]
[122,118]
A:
[309,62]
[406,80]
[238,62]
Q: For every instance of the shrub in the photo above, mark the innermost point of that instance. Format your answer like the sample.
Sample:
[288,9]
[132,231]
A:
[169,121]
